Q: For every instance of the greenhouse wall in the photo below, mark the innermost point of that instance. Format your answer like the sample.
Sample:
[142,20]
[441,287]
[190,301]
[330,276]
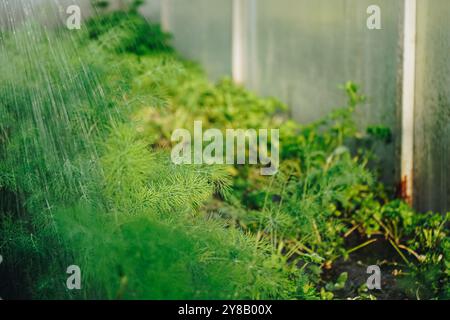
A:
[305,50]
[432,107]
[202,30]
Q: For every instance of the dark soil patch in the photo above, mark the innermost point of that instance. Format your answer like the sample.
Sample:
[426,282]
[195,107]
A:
[379,253]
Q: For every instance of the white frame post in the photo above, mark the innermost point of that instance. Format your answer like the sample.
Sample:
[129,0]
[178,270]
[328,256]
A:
[238,41]
[164,13]
[408,99]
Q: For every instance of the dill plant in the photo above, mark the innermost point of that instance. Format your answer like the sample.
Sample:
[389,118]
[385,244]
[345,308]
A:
[87,189]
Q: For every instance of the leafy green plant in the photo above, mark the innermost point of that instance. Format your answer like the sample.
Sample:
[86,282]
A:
[127,31]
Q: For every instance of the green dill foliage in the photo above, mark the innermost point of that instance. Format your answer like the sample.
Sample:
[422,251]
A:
[80,183]
[127,31]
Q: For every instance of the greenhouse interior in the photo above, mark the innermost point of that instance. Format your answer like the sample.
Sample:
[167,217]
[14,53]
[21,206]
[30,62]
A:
[224,150]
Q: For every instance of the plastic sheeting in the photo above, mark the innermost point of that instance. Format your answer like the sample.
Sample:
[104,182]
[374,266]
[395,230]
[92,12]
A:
[432,109]
[202,30]
[305,50]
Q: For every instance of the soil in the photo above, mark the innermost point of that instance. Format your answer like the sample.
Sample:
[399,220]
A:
[379,253]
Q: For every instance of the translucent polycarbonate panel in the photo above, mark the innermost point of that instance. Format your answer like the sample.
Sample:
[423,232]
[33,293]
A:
[151,9]
[432,110]
[202,32]
[305,50]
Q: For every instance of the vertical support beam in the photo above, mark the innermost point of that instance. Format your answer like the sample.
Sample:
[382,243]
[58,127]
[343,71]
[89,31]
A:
[164,7]
[408,96]
[252,76]
[238,41]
